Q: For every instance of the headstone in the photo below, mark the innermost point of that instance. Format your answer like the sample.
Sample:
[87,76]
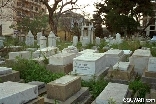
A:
[140,60]
[51,39]
[153,39]
[75,40]
[1,44]
[29,39]
[39,34]
[17,93]
[85,41]
[81,39]
[152,64]
[114,91]
[63,88]
[43,42]
[62,58]
[97,40]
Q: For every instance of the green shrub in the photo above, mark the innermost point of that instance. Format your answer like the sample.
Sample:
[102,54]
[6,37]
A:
[33,71]
[138,86]
[95,87]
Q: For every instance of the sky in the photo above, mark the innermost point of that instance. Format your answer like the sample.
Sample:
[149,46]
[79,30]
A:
[89,9]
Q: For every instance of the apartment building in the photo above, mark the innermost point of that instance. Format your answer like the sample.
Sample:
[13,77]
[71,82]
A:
[15,10]
[151,29]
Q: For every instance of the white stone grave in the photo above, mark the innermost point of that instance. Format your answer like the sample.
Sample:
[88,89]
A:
[48,51]
[85,41]
[114,56]
[1,44]
[140,60]
[29,39]
[17,93]
[43,42]
[121,66]
[152,64]
[114,91]
[153,39]
[51,39]
[20,54]
[89,63]
[118,39]
[5,70]
[75,40]
[62,58]
[39,34]
[70,49]
[97,40]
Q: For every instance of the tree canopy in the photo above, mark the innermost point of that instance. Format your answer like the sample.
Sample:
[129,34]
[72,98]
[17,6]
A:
[124,15]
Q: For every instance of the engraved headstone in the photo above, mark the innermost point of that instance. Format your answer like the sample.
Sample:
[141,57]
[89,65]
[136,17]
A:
[152,64]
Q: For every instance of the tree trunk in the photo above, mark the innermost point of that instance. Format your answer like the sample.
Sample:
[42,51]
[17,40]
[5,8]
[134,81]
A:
[52,24]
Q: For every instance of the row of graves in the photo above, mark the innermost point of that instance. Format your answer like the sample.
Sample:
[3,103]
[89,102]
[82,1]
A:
[111,65]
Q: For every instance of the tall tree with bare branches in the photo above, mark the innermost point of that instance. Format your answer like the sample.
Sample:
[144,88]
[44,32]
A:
[56,10]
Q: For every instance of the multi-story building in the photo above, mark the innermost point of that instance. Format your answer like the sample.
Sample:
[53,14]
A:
[15,10]
[151,29]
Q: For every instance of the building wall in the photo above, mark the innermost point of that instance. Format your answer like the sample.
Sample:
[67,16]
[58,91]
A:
[151,29]
[15,10]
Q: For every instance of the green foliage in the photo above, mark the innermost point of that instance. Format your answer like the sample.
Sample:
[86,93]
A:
[89,46]
[124,15]
[95,87]
[111,101]
[35,25]
[141,88]
[33,71]
[127,45]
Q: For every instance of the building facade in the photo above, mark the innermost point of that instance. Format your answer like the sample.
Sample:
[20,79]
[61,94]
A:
[151,29]
[15,10]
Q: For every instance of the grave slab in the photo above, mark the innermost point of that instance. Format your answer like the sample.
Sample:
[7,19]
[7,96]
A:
[63,88]
[124,72]
[80,97]
[60,68]
[89,63]
[140,59]
[152,64]
[17,93]
[5,70]
[62,58]
[113,90]
[14,76]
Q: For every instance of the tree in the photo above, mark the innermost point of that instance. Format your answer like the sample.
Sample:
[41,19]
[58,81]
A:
[58,5]
[35,25]
[124,15]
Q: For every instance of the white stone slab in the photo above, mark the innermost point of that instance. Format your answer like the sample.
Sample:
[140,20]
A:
[121,66]
[89,51]
[140,60]
[89,63]
[21,54]
[13,55]
[17,93]
[65,79]
[141,52]
[62,58]
[5,70]
[115,91]
[152,64]
[127,52]
[114,52]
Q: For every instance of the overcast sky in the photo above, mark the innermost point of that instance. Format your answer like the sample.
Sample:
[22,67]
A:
[89,9]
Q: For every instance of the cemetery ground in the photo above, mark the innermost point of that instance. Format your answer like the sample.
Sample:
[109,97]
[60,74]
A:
[31,70]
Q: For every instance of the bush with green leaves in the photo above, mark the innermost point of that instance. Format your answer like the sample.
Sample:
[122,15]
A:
[32,71]
[140,87]
[95,87]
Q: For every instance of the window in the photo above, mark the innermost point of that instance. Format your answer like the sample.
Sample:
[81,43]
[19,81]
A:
[36,9]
